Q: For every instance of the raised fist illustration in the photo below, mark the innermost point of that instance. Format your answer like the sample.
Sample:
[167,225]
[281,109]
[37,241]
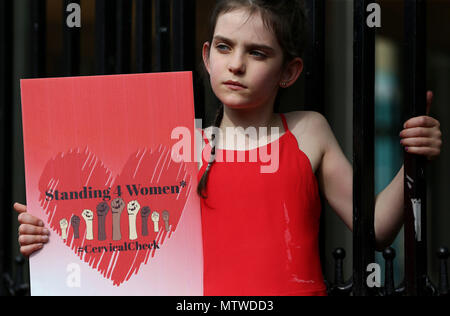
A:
[75,222]
[88,217]
[117,206]
[145,213]
[132,208]
[165,216]
[102,210]
[155,219]
[63,224]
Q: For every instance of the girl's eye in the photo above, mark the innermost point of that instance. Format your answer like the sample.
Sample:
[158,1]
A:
[257,54]
[222,47]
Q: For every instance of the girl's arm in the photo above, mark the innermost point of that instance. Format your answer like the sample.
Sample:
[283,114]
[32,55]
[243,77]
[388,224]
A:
[335,174]
[389,212]
[422,136]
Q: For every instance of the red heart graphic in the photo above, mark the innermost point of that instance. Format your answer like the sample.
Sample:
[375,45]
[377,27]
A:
[77,180]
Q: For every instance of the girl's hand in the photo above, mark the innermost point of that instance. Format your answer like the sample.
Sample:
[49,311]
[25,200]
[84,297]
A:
[421,135]
[32,233]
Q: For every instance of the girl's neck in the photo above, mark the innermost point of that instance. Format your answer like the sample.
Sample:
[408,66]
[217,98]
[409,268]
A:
[255,117]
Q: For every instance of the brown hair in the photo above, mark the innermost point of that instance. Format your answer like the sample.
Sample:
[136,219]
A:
[287,20]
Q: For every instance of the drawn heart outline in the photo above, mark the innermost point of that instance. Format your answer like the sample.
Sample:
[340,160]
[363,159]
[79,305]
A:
[82,171]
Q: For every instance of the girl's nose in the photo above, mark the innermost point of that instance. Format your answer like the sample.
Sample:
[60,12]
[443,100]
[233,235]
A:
[237,64]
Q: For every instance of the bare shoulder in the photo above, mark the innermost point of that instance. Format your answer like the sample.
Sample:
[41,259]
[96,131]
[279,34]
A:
[311,129]
[301,121]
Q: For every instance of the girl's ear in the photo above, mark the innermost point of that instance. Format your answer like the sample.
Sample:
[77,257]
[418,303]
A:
[205,54]
[291,72]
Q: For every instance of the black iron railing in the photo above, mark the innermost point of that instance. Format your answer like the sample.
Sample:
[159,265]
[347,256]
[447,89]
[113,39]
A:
[6,92]
[71,45]
[415,194]
[164,40]
[345,287]
[363,147]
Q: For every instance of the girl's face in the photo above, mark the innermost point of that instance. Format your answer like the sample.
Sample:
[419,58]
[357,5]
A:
[244,61]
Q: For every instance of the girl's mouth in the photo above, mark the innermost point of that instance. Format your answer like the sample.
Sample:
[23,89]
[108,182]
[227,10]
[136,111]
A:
[235,85]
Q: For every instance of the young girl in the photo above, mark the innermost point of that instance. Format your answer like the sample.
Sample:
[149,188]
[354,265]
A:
[260,230]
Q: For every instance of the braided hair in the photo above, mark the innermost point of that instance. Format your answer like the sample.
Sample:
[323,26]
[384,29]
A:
[202,184]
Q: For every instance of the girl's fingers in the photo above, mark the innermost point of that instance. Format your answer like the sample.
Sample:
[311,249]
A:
[429,152]
[25,218]
[26,229]
[420,132]
[421,121]
[20,208]
[28,250]
[421,142]
[28,240]
[32,233]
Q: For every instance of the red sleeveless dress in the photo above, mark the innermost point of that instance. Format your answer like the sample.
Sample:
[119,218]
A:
[260,230]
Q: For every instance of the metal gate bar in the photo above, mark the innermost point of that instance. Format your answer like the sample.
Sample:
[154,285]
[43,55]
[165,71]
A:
[415,198]
[184,48]
[123,36]
[162,22]
[71,43]
[143,31]
[363,147]
[105,11]
[183,30]
[315,56]
[38,38]
[6,44]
